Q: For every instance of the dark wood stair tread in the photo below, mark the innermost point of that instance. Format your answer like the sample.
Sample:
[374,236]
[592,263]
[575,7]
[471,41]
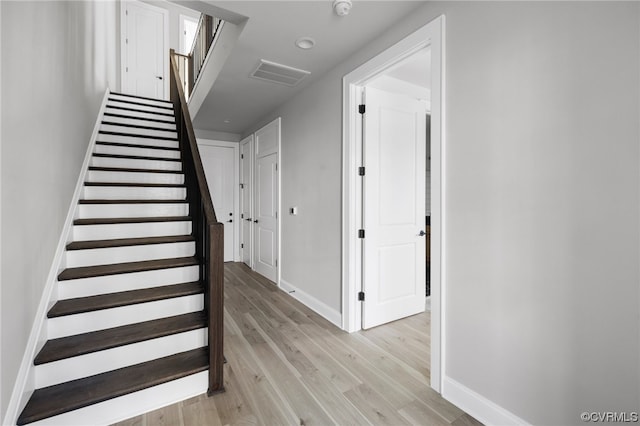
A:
[135,157]
[114,220]
[125,268]
[166,114]
[134,145]
[124,298]
[141,97]
[64,397]
[136,126]
[124,242]
[95,341]
[131,170]
[137,184]
[153,120]
[126,201]
[136,135]
[169,106]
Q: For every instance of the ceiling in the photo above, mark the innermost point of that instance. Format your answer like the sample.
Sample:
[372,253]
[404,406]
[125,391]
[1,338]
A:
[270,33]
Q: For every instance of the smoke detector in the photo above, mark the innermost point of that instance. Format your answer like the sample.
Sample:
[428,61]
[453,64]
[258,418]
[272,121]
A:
[342,7]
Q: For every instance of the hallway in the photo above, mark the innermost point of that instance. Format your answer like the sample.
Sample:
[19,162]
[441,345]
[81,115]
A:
[287,365]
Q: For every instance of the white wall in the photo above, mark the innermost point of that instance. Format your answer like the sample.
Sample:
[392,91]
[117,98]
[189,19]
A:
[57,60]
[542,200]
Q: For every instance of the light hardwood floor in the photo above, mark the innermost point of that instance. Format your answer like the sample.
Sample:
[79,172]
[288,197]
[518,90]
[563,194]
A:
[286,365]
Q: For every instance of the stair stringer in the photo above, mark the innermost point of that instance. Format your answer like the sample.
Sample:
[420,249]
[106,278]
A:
[25,380]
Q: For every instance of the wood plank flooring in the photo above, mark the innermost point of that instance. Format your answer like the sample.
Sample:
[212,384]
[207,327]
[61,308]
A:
[289,366]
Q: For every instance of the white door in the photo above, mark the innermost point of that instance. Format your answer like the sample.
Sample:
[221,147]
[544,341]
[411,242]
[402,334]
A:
[219,168]
[394,207]
[265,241]
[144,50]
[246,198]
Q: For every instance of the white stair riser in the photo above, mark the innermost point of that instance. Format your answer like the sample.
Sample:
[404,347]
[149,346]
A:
[87,211]
[137,131]
[130,230]
[142,115]
[134,177]
[142,152]
[141,108]
[133,193]
[99,362]
[84,287]
[141,122]
[133,404]
[152,102]
[134,140]
[110,255]
[132,163]
[108,318]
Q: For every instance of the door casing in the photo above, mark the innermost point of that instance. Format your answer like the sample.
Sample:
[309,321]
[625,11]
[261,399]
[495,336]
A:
[246,199]
[431,35]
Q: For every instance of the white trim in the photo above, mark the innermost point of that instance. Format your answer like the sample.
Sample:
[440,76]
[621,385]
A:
[123,45]
[236,190]
[430,34]
[478,406]
[322,309]
[249,141]
[25,381]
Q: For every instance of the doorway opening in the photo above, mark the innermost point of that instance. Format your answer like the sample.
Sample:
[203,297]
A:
[370,194]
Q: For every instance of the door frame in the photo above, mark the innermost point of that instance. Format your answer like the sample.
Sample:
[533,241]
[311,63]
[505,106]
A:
[165,42]
[432,34]
[236,189]
[249,140]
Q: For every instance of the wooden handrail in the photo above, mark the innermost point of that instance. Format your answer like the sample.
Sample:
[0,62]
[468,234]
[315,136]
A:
[208,232]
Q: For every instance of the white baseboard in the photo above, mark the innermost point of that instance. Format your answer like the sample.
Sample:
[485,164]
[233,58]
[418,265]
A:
[25,380]
[478,406]
[312,303]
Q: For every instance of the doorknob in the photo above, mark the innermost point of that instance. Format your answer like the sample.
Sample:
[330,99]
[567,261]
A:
[159,77]
[422,233]
[255,221]
[248,219]
[230,220]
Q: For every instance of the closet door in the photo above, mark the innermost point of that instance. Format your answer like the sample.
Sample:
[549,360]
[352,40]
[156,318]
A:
[267,141]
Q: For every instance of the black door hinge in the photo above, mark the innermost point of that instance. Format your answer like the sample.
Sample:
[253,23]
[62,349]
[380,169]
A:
[241,155]
[361,171]
[361,296]
[241,245]
[361,109]
[360,233]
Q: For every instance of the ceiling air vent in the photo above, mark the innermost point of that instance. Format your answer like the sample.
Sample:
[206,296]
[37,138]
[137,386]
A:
[277,73]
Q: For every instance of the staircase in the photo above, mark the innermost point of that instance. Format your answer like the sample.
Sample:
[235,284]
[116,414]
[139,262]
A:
[134,297]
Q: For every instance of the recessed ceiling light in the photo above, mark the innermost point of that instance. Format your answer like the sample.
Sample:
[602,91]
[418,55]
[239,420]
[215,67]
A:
[227,121]
[305,43]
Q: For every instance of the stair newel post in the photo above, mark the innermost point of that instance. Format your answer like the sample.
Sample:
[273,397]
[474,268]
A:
[216,306]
